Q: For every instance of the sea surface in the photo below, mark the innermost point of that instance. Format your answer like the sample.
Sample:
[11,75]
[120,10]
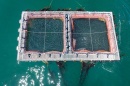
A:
[112,73]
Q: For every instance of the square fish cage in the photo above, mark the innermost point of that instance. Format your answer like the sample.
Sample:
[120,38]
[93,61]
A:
[67,36]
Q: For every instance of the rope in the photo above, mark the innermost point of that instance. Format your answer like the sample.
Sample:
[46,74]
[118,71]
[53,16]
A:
[91,34]
[45,32]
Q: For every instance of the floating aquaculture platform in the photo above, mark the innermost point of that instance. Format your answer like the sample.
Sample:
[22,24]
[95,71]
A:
[67,36]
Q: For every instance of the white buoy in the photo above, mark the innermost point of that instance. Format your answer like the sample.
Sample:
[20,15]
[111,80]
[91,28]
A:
[17,48]
[19,30]
[17,38]
[20,21]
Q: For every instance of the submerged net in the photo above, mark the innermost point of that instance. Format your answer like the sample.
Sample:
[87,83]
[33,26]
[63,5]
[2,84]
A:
[44,35]
[90,34]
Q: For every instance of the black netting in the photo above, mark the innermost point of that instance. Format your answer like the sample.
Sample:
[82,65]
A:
[44,35]
[81,25]
[90,34]
[54,25]
[35,41]
[97,25]
[100,41]
[83,41]
[47,35]
[45,25]
[54,42]
[36,25]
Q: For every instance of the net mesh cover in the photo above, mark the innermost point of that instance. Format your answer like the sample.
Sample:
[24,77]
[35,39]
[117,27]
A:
[90,34]
[44,35]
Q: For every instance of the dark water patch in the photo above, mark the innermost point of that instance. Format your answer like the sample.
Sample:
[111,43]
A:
[65,9]
[84,71]
[61,64]
[46,9]
[80,9]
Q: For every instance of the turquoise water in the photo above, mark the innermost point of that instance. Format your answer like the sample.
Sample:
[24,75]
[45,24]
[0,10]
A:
[115,73]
